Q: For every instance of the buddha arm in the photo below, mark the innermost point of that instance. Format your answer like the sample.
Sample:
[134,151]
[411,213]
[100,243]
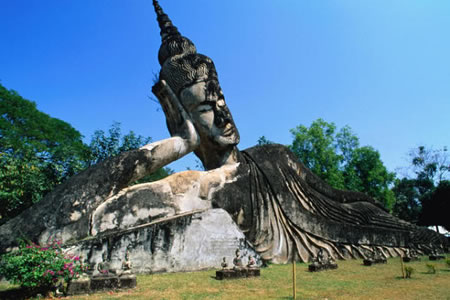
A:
[160,154]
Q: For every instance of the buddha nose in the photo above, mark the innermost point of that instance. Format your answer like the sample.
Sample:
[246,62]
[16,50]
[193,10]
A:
[221,115]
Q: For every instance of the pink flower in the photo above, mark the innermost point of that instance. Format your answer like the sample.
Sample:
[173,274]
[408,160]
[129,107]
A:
[76,258]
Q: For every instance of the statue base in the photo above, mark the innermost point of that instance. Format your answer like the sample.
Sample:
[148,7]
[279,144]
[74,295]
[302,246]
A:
[369,262]
[127,281]
[79,286]
[408,259]
[321,267]
[101,283]
[436,257]
[237,273]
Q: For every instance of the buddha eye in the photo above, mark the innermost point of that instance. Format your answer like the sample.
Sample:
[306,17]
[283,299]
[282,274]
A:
[203,109]
[205,106]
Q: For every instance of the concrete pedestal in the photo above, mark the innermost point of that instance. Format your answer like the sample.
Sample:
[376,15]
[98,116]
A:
[237,273]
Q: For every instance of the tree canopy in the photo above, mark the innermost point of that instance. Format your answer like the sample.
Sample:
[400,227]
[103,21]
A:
[336,157]
[36,152]
[423,198]
[104,145]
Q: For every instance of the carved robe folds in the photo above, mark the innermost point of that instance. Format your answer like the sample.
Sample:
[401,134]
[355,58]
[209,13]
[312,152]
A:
[286,211]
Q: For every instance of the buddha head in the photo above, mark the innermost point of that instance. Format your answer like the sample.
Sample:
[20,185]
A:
[193,79]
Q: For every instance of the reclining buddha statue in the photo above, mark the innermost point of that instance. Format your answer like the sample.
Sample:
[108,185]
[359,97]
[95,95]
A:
[283,209]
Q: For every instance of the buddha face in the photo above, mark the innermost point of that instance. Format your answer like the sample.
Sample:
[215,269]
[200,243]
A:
[205,103]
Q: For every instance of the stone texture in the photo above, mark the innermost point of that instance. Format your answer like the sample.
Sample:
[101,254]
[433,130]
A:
[322,267]
[79,286]
[102,283]
[436,257]
[127,281]
[237,273]
[189,242]
[286,211]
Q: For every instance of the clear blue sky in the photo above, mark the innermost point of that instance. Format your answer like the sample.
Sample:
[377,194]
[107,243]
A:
[381,67]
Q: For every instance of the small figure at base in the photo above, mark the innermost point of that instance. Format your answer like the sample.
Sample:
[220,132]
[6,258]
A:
[224,263]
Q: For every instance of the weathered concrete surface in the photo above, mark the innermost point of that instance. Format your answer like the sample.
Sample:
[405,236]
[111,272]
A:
[286,211]
[187,242]
[98,200]
[238,273]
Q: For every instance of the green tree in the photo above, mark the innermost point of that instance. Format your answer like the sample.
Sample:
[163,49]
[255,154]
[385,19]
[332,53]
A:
[407,205]
[420,196]
[104,145]
[37,152]
[335,156]
[436,206]
[316,148]
[365,172]
[263,141]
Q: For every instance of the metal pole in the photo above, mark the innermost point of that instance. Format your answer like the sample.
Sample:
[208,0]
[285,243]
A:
[403,267]
[294,278]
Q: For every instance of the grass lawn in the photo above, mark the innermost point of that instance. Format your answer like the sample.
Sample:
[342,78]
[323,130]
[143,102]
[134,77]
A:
[351,280]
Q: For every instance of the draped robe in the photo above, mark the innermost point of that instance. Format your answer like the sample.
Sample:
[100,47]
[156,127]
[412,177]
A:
[287,212]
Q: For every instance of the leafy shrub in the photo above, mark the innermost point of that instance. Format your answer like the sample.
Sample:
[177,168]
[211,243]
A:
[39,268]
[448,262]
[431,269]
[409,271]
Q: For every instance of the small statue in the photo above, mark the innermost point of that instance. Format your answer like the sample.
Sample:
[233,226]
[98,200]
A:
[224,263]
[126,264]
[251,262]
[330,260]
[376,255]
[407,253]
[104,267]
[237,261]
[320,258]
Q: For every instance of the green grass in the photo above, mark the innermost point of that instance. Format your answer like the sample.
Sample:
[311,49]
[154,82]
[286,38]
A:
[351,280]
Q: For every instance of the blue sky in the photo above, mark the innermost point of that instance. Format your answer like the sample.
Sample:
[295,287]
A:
[381,67]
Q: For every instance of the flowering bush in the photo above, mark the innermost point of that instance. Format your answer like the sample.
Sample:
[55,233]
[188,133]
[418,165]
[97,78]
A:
[36,267]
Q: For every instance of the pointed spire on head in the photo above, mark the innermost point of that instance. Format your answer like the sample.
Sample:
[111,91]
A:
[173,43]
[167,28]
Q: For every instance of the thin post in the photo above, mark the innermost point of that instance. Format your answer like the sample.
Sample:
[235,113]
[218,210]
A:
[403,266]
[294,278]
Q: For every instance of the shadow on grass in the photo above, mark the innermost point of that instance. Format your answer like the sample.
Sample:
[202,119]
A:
[17,294]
